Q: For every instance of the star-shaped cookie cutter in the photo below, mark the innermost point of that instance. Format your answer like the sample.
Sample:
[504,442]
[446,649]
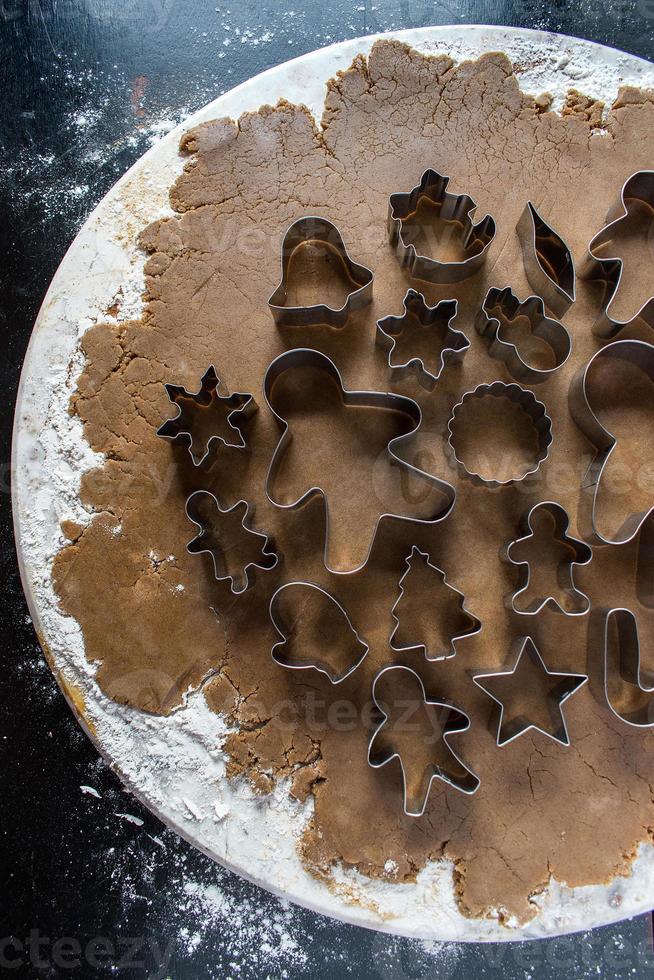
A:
[242,406]
[456,721]
[548,261]
[303,357]
[457,208]
[550,331]
[582,552]
[609,269]
[309,230]
[641,355]
[567,685]
[455,343]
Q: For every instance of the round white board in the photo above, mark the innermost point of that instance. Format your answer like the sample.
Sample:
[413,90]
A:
[173,764]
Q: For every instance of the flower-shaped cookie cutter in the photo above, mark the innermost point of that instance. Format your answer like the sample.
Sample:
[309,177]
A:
[458,208]
[548,261]
[641,355]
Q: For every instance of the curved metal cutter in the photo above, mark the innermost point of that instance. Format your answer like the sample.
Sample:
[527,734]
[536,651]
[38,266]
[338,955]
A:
[641,355]
[582,556]
[475,239]
[455,721]
[303,357]
[311,230]
[286,629]
[608,269]
[433,318]
[548,261]
[202,543]
[629,666]
[529,404]
[564,686]
[552,332]
[242,406]
[474,623]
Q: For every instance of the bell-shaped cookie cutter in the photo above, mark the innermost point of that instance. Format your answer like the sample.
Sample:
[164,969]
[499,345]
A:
[549,265]
[608,269]
[583,554]
[455,343]
[302,357]
[242,406]
[310,230]
[453,207]
[284,629]
[629,663]
[199,545]
[530,405]
[457,721]
[550,331]
[641,355]
[474,623]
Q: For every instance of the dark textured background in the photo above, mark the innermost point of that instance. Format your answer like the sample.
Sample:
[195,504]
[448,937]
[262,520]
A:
[87,85]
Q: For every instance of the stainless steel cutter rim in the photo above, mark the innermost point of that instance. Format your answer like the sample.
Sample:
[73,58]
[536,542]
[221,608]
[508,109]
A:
[556,296]
[641,355]
[551,331]
[476,624]
[452,352]
[284,636]
[314,228]
[524,644]
[454,207]
[184,436]
[248,514]
[630,671]
[461,727]
[610,268]
[531,406]
[563,524]
[308,357]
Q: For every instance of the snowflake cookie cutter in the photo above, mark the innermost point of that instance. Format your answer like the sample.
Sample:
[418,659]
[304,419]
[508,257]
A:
[458,208]
[241,407]
[609,269]
[201,543]
[641,355]
[303,357]
[440,317]
[550,331]
[581,553]
[534,409]
[549,265]
[455,722]
[566,686]
[286,629]
[310,230]
[473,628]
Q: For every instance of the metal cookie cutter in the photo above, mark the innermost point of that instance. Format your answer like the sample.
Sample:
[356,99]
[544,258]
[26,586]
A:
[303,357]
[180,429]
[286,630]
[553,333]
[548,261]
[608,269]
[628,664]
[641,355]
[206,541]
[563,686]
[580,554]
[310,230]
[459,208]
[529,404]
[436,320]
[474,625]
[454,721]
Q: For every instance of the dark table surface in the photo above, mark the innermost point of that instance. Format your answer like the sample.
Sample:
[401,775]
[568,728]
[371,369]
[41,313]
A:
[87,85]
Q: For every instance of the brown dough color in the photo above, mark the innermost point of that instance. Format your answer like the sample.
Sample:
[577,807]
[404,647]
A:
[575,813]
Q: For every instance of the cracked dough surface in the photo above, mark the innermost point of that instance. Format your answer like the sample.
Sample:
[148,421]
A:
[157,622]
